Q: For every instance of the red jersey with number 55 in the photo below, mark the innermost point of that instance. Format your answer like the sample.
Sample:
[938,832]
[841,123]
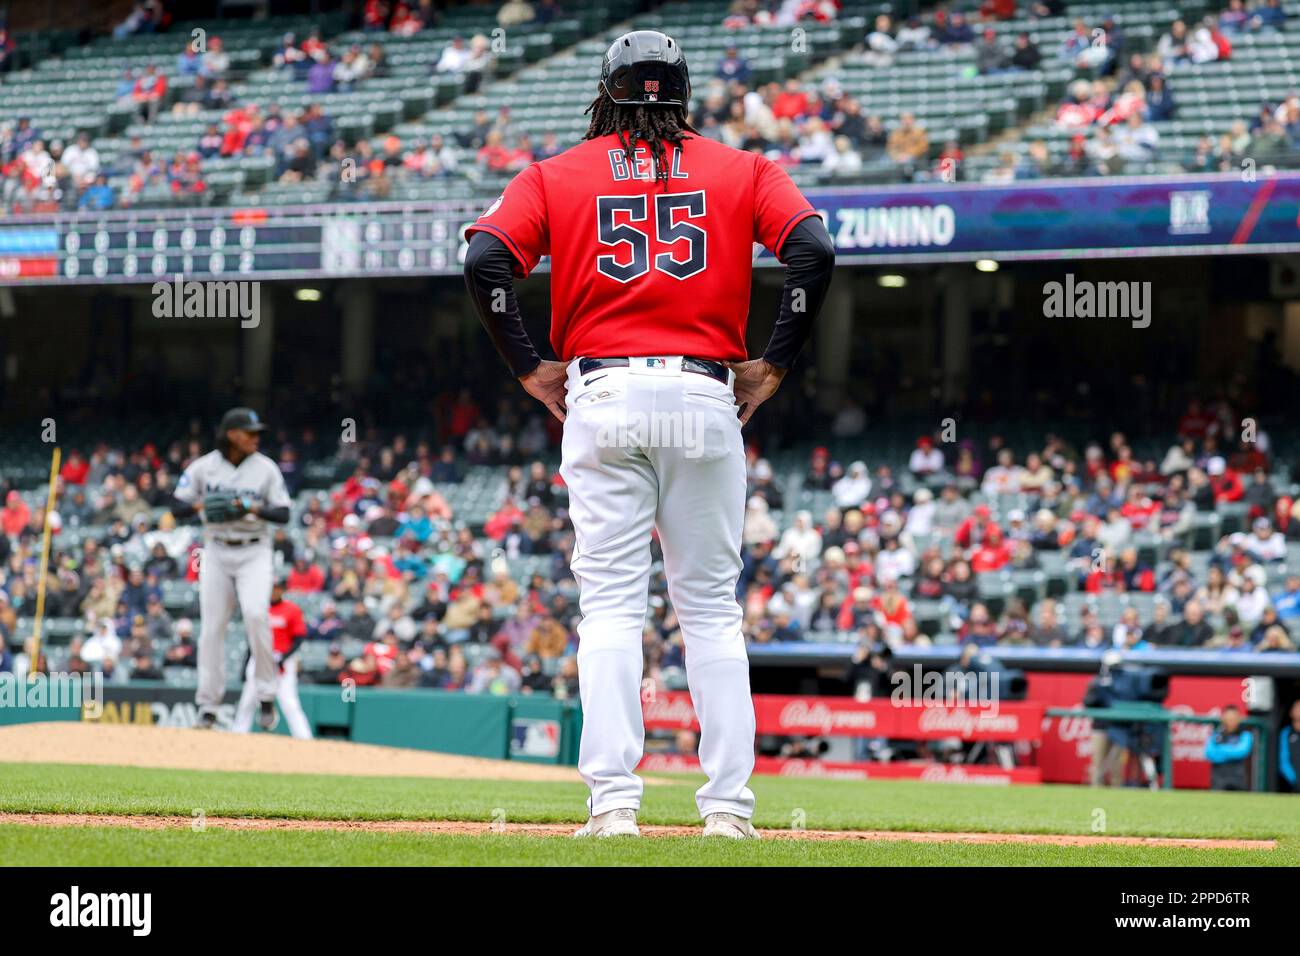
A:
[640,269]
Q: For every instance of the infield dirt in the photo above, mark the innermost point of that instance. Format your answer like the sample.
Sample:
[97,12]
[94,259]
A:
[128,745]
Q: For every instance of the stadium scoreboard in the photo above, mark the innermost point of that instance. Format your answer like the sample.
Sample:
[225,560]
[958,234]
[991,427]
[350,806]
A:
[273,243]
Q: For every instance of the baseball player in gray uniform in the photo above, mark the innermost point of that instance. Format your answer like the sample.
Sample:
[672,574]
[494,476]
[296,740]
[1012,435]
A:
[237,491]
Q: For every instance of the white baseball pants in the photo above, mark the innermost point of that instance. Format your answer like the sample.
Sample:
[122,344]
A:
[286,695]
[650,446]
[227,574]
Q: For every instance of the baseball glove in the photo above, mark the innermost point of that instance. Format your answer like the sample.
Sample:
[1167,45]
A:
[221,506]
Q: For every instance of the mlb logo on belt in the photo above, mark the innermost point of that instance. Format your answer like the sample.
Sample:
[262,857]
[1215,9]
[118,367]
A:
[656,363]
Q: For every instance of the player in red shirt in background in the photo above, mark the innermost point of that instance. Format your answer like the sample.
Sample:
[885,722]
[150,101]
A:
[650,229]
[288,631]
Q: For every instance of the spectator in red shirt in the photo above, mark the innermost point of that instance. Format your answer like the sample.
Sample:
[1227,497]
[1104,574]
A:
[314,46]
[1248,458]
[1122,469]
[522,154]
[75,469]
[1138,508]
[305,576]
[978,525]
[1225,482]
[15,516]
[857,567]
[148,92]
[993,554]
[791,102]
[364,671]
[499,525]
[891,603]
[1195,423]
[495,155]
[239,123]
[998,9]
[857,610]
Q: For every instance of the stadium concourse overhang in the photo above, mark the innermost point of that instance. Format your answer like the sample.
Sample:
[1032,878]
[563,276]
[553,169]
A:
[929,275]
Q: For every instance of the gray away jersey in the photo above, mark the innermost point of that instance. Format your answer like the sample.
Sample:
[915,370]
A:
[256,478]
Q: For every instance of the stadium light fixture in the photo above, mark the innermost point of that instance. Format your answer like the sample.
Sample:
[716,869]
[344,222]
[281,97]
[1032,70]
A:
[892,280]
[307,295]
[986,265]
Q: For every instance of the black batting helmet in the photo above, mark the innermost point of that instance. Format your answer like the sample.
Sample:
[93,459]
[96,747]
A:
[646,67]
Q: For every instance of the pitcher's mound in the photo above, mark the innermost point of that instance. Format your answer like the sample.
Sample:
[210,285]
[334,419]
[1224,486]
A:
[182,749]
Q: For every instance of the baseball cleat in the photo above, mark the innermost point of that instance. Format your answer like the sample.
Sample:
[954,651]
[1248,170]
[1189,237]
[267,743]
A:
[730,826]
[611,824]
[268,718]
[207,720]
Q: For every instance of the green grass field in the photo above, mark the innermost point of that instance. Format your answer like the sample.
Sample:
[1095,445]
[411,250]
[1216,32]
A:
[817,804]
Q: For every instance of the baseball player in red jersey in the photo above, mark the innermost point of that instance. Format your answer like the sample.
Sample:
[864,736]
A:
[288,630]
[650,228]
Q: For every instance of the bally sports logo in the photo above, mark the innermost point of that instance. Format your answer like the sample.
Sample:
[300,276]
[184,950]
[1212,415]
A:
[943,773]
[669,710]
[803,716]
[815,768]
[961,722]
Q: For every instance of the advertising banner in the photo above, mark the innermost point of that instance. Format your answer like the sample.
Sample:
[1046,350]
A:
[846,717]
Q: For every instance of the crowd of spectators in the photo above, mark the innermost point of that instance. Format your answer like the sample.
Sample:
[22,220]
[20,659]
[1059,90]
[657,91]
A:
[398,586]
[1109,109]
[879,552]
[42,175]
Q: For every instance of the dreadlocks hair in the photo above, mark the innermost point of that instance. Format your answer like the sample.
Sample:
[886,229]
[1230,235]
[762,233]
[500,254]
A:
[655,125]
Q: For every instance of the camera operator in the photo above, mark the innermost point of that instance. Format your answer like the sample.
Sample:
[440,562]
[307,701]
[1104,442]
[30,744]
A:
[1113,742]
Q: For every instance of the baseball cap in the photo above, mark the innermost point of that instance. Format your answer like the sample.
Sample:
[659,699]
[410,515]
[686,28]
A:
[245,419]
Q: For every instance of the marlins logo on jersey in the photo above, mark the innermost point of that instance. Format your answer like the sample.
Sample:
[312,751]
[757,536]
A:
[256,478]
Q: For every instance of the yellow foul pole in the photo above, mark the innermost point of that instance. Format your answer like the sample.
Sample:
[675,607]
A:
[45,563]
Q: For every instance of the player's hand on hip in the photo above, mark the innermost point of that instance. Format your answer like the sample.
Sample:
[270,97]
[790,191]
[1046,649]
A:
[756,381]
[546,383]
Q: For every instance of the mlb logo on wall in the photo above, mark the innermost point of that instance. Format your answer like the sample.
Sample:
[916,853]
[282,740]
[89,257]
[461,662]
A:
[534,737]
